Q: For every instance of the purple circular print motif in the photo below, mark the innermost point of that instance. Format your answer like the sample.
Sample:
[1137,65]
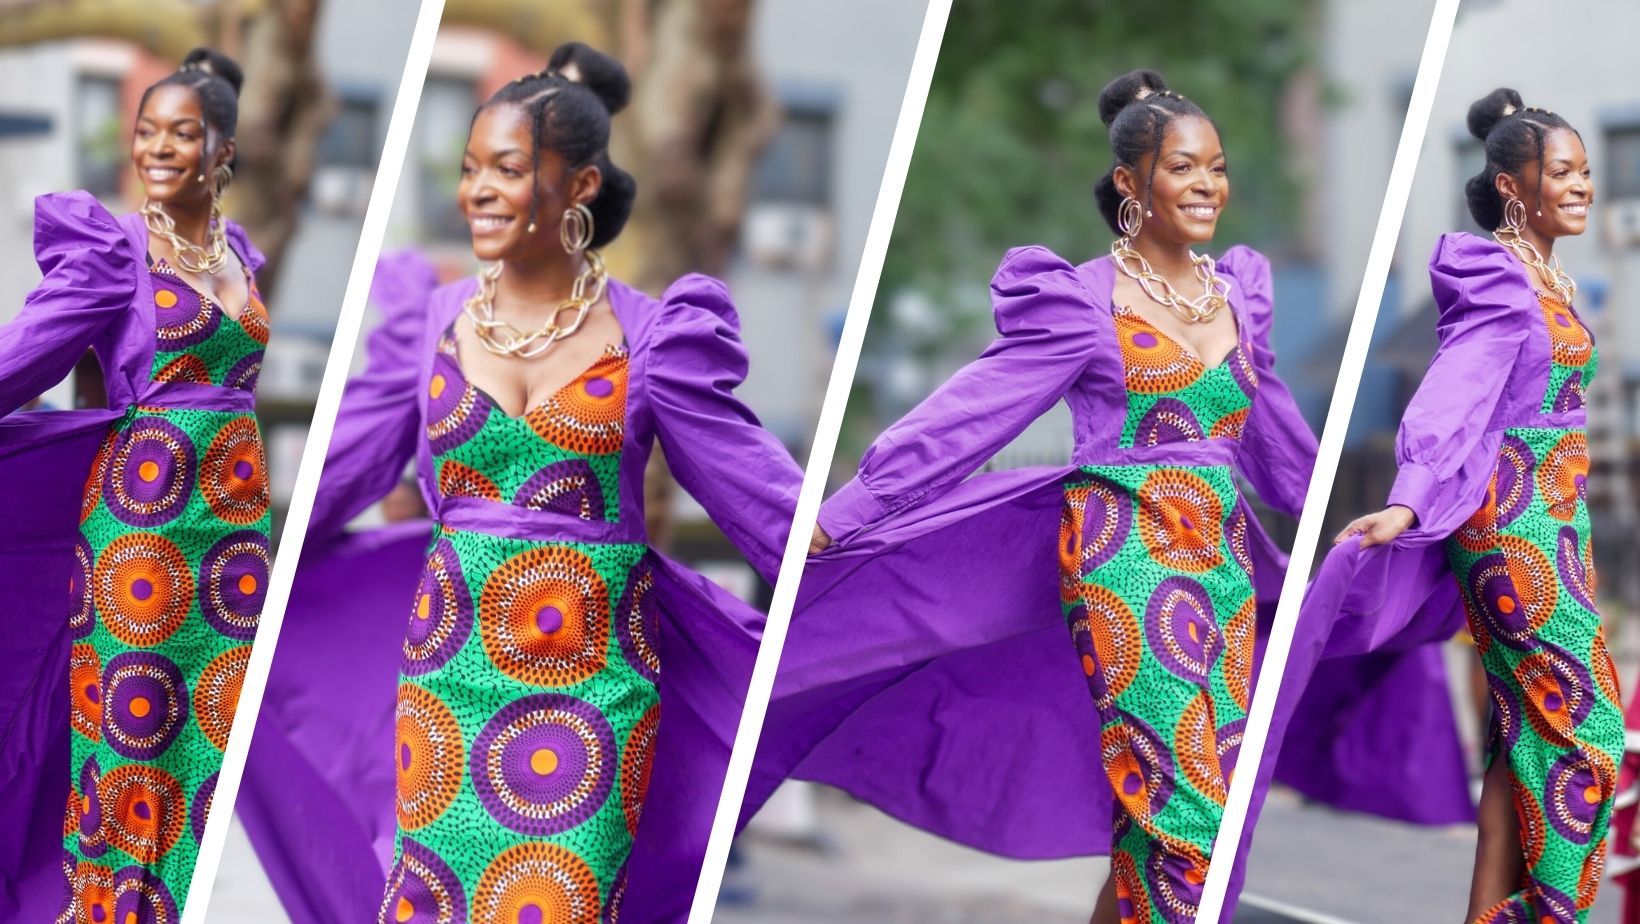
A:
[1107,517]
[1493,590]
[82,611]
[422,889]
[1514,479]
[244,373]
[151,473]
[201,808]
[1241,369]
[1570,396]
[181,317]
[454,412]
[617,897]
[1235,534]
[1175,883]
[93,843]
[1082,638]
[569,487]
[145,704]
[544,763]
[233,580]
[1139,764]
[1566,797]
[140,897]
[1553,905]
[1569,562]
[638,625]
[1180,629]
[1169,420]
[1505,723]
[1229,746]
[443,615]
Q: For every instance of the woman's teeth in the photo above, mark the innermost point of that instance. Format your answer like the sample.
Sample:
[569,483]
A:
[161,174]
[485,223]
[1201,212]
[1576,209]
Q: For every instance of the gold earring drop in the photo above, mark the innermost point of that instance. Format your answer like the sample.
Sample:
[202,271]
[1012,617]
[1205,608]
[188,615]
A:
[530,228]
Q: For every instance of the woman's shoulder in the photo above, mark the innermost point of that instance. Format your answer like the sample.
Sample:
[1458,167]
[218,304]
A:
[1244,264]
[1459,250]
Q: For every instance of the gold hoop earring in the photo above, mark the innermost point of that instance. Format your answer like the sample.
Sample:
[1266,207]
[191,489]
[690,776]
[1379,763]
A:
[575,228]
[1514,216]
[221,177]
[1130,217]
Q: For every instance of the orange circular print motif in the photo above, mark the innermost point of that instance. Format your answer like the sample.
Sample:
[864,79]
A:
[145,810]
[456,479]
[1569,340]
[589,414]
[1181,520]
[254,319]
[544,617]
[636,760]
[1562,477]
[429,755]
[1154,363]
[185,368]
[1108,641]
[85,691]
[216,694]
[234,476]
[536,881]
[143,588]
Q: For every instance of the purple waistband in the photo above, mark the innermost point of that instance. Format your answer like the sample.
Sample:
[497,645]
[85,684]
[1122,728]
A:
[1575,419]
[1216,451]
[197,397]
[494,518]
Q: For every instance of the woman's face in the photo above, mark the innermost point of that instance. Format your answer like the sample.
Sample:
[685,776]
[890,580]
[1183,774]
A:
[498,184]
[1189,187]
[1567,187]
[169,144]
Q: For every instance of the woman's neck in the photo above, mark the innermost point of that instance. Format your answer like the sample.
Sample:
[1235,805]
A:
[535,287]
[1543,242]
[1170,258]
[192,220]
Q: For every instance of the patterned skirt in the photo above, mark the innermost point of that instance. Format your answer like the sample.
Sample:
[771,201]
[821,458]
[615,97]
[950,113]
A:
[163,607]
[1156,584]
[527,713]
[1526,568]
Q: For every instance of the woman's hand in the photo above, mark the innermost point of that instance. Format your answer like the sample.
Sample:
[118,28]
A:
[1379,528]
[820,542]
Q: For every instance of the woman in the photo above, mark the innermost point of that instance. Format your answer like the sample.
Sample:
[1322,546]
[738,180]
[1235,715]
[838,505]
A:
[527,726]
[170,565]
[1164,357]
[1489,506]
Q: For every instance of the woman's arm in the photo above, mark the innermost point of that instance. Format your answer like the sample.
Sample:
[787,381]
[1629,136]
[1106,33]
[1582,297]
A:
[1046,338]
[1482,328]
[713,442]
[379,420]
[90,274]
[1278,447]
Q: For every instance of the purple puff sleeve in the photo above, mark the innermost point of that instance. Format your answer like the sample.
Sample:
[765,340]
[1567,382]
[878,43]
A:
[253,258]
[713,442]
[1277,446]
[1046,339]
[90,277]
[1482,329]
[378,422]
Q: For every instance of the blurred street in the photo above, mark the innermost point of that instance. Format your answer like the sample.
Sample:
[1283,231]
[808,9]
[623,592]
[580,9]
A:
[1312,865]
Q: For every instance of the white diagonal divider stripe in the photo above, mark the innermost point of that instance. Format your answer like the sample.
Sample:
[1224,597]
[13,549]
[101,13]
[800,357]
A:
[825,445]
[1326,463]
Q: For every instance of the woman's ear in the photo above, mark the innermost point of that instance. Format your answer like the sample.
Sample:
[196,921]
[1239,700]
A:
[1507,186]
[585,183]
[1126,183]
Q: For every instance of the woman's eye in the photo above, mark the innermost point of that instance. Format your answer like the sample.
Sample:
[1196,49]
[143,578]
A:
[511,172]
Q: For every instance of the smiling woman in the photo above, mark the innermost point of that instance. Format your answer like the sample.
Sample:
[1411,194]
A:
[168,568]
[526,727]
[1161,566]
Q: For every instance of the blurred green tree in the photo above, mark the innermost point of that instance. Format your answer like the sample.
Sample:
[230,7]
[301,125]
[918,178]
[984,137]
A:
[1011,146]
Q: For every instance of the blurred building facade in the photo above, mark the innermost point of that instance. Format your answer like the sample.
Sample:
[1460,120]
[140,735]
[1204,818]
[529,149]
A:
[66,112]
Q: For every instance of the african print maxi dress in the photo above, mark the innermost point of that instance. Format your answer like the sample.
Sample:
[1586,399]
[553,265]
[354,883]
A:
[1526,567]
[528,707]
[1156,564]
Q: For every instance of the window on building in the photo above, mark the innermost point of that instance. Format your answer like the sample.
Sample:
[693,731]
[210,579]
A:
[442,120]
[351,138]
[1621,179]
[98,136]
[797,165]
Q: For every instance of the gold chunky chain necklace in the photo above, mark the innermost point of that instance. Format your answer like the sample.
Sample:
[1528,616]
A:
[1549,271]
[206,260]
[1198,310]
[504,339]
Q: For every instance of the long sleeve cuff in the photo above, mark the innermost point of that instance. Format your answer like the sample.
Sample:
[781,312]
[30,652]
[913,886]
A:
[1415,486]
[850,509]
